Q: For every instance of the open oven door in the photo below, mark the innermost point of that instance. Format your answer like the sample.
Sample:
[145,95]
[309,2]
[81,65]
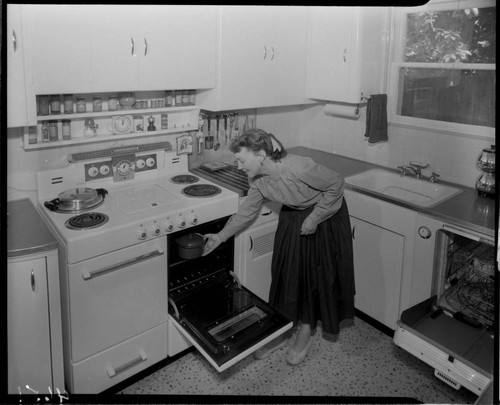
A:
[226,322]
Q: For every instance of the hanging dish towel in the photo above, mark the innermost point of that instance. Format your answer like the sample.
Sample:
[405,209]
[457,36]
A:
[376,118]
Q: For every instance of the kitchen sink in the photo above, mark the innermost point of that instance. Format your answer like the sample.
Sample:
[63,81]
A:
[405,188]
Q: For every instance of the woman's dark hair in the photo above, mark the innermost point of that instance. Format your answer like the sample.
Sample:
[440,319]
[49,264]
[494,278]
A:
[256,140]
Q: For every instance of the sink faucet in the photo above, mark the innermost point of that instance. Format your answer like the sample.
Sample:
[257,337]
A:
[416,171]
[415,168]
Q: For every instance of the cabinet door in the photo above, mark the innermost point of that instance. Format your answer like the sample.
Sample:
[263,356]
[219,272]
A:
[176,47]
[256,257]
[59,37]
[333,71]
[17,97]
[29,351]
[377,270]
[116,47]
[263,56]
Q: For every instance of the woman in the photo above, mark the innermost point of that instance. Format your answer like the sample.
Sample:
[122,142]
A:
[312,265]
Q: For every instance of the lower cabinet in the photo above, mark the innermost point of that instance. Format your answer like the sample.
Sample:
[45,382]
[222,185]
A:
[378,262]
[35,359]
[383,242]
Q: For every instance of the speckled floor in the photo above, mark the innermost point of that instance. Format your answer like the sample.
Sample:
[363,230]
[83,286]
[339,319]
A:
[363,362]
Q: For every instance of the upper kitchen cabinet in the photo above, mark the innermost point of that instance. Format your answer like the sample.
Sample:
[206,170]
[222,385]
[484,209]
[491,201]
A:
[346,52]
[262,58]
[21,108]
[101,48]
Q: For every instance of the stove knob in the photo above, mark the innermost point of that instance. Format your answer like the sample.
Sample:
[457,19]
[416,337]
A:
[193,219]
[141,233]
[155,230]
[140,163]
[150,162]
[169,225]
[181,222]
[93,171]
[104,170]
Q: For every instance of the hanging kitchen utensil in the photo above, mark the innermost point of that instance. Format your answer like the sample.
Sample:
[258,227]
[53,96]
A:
[209,140]
[245,124]
[217,144]
[231,126]
[236,126]
[200,135]
[225,130]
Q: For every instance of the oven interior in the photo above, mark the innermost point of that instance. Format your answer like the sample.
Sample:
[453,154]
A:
[208,301]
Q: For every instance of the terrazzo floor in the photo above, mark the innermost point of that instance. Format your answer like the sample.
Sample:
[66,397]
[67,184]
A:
[363,362]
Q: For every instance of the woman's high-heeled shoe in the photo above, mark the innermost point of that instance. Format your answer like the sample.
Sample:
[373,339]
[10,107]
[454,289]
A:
[293,358]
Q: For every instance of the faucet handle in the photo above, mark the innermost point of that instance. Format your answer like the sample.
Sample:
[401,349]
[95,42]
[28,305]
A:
[434,177]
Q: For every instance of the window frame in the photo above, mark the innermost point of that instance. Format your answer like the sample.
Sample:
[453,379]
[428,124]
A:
[396,51]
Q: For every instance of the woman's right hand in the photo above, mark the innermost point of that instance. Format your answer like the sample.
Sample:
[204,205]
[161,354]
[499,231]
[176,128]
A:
[212,241]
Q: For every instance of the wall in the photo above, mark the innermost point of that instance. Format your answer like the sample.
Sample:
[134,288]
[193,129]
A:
[452,157]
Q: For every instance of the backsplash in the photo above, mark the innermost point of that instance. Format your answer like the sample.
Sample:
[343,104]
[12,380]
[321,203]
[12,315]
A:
[452,157]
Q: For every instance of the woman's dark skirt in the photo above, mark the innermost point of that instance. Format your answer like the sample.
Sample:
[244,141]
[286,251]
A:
[313,275]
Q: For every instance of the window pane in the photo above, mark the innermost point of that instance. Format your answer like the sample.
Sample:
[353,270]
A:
[466,35]
[460,96]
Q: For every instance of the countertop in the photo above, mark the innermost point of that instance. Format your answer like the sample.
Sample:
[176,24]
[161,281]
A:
[467,209]
[26,232]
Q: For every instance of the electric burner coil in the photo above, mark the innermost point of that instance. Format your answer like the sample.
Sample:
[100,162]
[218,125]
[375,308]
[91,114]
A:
[88,220]
[201,190]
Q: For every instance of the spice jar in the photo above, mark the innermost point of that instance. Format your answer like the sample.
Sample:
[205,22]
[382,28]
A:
[192,97]
[43,105]
[45,132]
[68,104]
[168,98]
[112,103]
[178,98]
[66,130]
[32,135]
[97,104]
[81,105]
[55,105]
[185,97]
[53,133]
[164,121]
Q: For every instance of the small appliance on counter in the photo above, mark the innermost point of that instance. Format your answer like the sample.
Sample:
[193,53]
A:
[485,184]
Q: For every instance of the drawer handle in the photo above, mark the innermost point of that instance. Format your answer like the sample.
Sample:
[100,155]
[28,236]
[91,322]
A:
[132,46]
[251,243]
[353,232]
[145,47]
[267,213]
[139,359]
[33,280]
[90,274]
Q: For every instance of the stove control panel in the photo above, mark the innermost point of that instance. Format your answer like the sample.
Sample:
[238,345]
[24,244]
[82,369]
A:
[163,226]
[122,167]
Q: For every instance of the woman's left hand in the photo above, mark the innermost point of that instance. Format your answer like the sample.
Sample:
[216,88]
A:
[308,226]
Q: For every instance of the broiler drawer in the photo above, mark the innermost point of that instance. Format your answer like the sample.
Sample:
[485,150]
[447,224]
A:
[111,366]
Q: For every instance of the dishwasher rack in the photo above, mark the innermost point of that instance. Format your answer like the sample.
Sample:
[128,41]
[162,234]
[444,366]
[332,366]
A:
[470,280]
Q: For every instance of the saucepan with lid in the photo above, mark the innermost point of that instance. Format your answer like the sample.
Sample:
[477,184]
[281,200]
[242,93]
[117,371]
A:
[190,246]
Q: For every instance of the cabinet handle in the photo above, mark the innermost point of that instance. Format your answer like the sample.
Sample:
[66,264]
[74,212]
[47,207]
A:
[132,46]
[139,359]
[14,40]
[272,56]
[265,52]
[251,243]
[345,50]
[90,274]
[33,280]
[353,232]
[145,47]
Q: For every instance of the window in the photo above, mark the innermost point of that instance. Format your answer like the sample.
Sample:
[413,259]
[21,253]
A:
[442,74]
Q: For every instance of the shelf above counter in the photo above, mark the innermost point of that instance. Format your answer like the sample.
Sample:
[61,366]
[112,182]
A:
[180,120]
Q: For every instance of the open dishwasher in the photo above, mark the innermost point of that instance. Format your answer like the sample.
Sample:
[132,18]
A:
[453,330]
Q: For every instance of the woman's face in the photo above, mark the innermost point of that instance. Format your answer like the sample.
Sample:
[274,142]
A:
[249,162]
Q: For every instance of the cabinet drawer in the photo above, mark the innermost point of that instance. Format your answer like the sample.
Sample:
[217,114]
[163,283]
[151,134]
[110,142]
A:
[120,362]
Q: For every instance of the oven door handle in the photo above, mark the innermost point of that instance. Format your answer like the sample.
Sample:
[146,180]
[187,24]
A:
[92,274]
